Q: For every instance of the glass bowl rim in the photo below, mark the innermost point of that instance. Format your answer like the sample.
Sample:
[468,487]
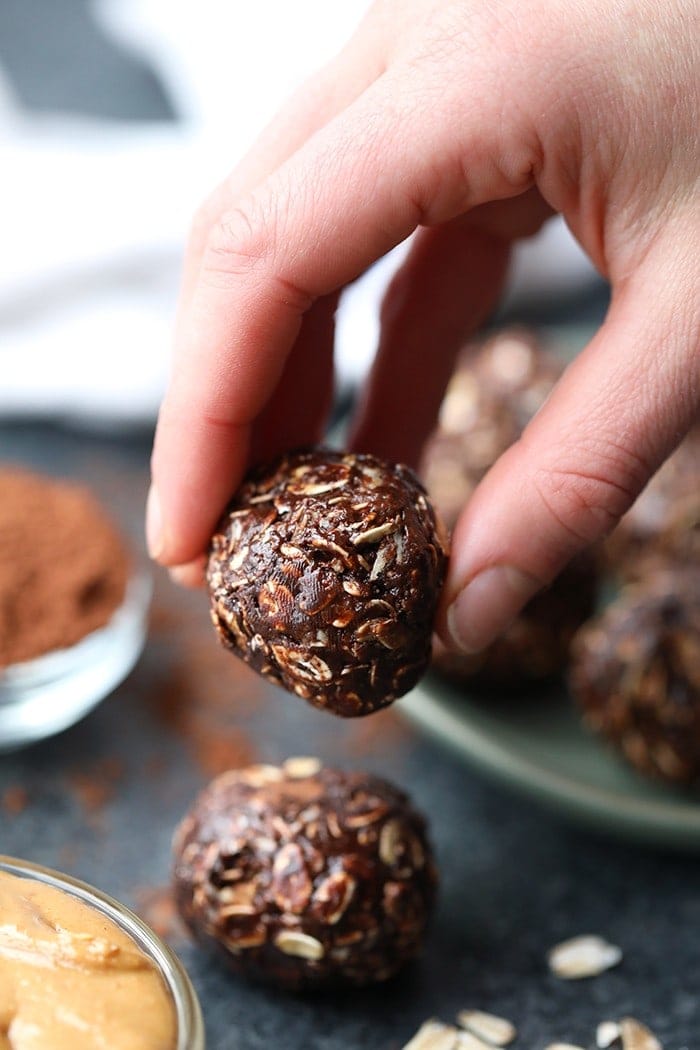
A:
[190,1026]
[55,663]
[49,693]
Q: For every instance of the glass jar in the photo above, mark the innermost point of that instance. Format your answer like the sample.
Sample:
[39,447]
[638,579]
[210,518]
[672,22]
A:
[189,1025]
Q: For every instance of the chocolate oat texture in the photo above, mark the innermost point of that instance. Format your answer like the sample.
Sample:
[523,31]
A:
[662,527]
[304,876]
[324,575]
[636,675]
[496,388]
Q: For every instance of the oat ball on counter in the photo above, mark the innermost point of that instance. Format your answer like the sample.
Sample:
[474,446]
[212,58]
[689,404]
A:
[662,527]
[495,390]
[305,877]
[536,646]
[324,575]
[636,675]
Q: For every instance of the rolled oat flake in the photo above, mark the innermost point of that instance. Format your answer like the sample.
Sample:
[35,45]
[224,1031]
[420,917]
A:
[494,1030]
[636,1036]
[584,956]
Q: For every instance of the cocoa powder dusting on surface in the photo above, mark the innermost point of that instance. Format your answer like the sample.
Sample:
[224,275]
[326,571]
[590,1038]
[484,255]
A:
[216,750]
[95,785]
[156,906]
[387,725]
[63,565]
[68,857]
[203,725]
[14,800]
[216,706]
[200,700]
[201,669]
[156,766]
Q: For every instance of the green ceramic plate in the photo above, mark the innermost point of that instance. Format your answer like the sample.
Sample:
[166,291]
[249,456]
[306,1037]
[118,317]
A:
[538,746]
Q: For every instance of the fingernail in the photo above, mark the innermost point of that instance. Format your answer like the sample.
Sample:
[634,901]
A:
[154,524]
[487,605]
[189,575]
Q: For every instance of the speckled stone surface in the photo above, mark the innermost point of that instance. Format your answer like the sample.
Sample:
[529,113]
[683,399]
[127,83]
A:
[102,800]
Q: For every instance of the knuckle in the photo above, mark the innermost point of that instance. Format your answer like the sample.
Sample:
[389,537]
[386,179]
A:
[576,503]
[239,240]
[244,240]
[587,500]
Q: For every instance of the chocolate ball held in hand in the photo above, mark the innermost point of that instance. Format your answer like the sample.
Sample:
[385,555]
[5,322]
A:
[324,575]
[636,675]
[305,877]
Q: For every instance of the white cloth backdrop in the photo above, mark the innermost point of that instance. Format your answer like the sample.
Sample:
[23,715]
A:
[93,215]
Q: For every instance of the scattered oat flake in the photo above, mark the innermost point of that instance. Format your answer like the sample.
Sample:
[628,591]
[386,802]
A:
[469,1041]
[494,1030]
[585,956]
[433,1035]
[606,1033]
[636,1036]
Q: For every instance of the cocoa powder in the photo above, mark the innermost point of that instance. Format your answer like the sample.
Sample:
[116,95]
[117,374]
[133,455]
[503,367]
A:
[14,800]
[156,906]
[63,565]
[95,784]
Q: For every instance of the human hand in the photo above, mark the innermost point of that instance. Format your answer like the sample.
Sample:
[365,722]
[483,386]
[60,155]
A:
[472,121]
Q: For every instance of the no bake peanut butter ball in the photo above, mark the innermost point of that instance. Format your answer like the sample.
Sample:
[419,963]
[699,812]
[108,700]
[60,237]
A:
[324,575]
[636,675]
[497,387]
[305,877]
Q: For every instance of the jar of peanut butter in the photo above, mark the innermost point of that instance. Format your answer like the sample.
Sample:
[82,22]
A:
[78,971]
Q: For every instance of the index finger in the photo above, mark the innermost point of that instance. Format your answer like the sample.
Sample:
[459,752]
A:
[355,189]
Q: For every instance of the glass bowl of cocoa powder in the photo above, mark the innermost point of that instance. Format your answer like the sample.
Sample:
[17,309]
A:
[73,606]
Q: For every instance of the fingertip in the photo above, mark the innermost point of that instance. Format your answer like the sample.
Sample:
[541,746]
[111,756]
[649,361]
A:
[155,540]
[485,607]
[190,575]
[198,463]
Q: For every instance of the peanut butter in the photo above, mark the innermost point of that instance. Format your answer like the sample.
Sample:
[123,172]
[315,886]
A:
[71,979]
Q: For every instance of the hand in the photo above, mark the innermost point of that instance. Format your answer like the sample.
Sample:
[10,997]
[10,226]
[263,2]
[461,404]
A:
[471,120]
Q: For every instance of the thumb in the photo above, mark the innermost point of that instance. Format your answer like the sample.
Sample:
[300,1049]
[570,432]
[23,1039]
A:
[617,412]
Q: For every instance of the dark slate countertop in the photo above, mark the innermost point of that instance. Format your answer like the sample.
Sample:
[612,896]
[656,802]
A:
[102,800]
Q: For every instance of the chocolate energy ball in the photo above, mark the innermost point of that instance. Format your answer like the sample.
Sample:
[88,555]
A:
[324,575]
[536,646]
[305,877]
[663,527]
[636,675]
[496,389]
